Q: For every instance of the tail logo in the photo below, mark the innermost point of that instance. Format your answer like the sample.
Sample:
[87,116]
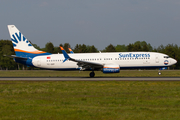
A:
[17,39]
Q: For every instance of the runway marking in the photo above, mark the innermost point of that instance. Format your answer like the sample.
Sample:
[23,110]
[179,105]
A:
[92,79]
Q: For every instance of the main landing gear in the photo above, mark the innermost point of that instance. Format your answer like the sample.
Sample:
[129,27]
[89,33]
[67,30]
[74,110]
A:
[92,74]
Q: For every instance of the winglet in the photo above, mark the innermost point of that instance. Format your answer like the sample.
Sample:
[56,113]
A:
[64,53]
[61,48]
[70,50]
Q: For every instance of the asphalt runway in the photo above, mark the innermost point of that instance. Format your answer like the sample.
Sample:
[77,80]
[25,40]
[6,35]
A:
[93,79]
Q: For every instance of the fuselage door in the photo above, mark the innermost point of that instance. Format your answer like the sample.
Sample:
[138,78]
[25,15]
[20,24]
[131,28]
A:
[38,62]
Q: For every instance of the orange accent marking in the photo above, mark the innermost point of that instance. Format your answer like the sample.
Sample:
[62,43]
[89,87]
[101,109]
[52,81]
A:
[61,48]
[34,52]
[112,67]
[69,49]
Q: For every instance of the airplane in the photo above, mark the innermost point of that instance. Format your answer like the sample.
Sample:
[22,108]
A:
[110,62]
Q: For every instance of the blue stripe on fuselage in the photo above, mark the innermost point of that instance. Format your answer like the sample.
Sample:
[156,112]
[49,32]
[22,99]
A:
[27,62]
[29,57]
[143,67]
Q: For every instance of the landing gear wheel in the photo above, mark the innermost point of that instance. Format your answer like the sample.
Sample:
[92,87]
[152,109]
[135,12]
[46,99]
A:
[159,73]
[92,74]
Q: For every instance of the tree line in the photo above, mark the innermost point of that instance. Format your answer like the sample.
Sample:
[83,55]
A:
[6,48]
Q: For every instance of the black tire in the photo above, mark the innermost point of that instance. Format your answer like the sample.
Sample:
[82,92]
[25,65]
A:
[92,74]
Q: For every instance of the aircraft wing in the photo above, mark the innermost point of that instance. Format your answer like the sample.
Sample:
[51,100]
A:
[86,64]
[14,56]
[80,63]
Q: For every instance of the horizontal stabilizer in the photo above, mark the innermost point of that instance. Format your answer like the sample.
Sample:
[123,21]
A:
[14,56]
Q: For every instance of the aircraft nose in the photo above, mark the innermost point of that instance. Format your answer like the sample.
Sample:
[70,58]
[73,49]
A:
[173,61]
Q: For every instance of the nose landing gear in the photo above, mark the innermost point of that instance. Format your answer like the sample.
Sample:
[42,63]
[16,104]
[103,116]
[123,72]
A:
[159,71]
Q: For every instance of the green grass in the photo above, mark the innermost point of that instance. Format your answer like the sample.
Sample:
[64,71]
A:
[125,100]
[87,100]
[123,73]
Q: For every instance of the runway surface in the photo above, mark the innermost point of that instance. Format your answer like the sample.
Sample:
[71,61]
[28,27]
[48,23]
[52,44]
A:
[94,79]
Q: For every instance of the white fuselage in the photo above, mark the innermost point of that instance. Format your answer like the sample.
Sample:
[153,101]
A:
[123,59]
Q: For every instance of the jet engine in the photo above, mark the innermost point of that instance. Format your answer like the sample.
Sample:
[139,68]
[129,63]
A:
[111,69]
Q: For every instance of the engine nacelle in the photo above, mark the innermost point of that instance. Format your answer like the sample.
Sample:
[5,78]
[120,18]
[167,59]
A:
[111,69]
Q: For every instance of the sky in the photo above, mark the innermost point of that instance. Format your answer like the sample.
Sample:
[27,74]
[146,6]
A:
[93,22]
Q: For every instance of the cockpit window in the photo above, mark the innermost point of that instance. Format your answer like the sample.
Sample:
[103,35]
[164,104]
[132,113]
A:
[166,56]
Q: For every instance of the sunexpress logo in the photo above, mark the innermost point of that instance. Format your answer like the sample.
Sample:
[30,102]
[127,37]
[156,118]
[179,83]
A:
[131,55]
[19,39]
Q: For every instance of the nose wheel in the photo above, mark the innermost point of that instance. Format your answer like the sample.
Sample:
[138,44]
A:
[92,74]
[159,72]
